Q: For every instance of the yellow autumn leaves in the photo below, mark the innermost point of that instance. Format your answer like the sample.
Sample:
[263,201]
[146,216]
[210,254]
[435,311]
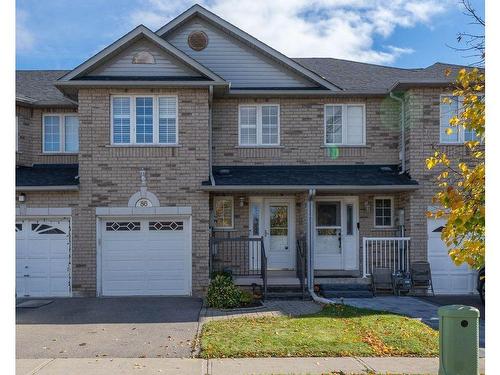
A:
[461,183]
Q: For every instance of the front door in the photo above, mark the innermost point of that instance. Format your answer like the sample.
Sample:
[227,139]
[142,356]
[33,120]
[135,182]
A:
[279,238]
[336,234]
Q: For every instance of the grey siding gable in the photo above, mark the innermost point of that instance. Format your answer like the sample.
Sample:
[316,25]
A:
[233,60]
[165,64]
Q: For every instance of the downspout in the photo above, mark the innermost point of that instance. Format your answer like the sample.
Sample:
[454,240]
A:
[210,102]
[403,141]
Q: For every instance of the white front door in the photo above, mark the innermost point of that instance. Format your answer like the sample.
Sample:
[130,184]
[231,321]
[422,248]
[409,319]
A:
[336,245]
[43,258]
[279,233]
[145,256]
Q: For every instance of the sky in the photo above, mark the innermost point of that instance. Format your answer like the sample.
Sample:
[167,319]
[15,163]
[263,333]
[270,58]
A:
[61,34]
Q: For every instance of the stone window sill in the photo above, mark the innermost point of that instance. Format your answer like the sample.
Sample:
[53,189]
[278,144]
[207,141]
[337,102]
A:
[143,146]
[260,147]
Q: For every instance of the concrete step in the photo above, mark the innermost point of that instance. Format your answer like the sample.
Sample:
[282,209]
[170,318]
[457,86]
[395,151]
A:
[347,294]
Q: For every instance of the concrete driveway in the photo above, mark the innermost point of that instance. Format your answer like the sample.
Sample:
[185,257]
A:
[127,327]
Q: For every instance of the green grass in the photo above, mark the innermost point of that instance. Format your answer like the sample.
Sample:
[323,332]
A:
[336,331]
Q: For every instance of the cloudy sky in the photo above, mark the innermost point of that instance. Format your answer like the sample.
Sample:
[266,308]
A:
[60,34]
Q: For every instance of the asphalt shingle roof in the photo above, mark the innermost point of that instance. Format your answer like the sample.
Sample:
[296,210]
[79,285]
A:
[354,76]
[37,87]
[47,175]
[310,175]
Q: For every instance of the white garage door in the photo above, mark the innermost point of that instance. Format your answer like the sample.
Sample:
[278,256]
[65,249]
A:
[43,258]
[145,257]
[447,278]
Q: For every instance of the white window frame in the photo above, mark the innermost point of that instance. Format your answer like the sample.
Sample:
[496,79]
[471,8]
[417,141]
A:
[460,129]
[62,132]
[259,124]
[219,198]
[156,120]
[385,197]
[344,124]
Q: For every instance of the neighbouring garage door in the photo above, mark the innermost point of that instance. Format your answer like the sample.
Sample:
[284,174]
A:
[43,258]
[447,278]
[145,257]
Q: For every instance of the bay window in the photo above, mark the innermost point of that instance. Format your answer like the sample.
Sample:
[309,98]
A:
[259,125]
[144,120]
[344,124]
[60,133]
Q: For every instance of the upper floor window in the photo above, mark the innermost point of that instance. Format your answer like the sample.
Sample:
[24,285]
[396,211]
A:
[345,124]
[60,133]
[143,120]
[259,125]
[452,106]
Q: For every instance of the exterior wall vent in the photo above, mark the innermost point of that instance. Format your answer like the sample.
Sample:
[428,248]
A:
[198,40]
[143,57]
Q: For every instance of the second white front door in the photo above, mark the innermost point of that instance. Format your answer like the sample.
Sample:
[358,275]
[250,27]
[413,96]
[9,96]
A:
[336,233]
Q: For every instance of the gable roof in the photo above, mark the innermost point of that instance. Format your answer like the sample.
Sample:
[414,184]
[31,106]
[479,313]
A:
[139,32]
[36,88]
[197,10]
[357,77]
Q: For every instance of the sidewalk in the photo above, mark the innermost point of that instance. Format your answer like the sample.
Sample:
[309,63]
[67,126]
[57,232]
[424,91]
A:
[240,366]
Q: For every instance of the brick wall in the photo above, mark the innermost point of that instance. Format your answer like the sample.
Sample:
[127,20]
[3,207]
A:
[422,137]
[302,133]
[30,137]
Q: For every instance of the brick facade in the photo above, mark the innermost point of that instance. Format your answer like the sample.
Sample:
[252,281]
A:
[109,175]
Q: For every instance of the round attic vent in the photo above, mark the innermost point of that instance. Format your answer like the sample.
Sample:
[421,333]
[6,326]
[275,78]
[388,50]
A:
[198,40]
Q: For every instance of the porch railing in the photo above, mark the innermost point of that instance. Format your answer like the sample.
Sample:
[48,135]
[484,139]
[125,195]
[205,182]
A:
[239,256]
[301,264]
[386,252]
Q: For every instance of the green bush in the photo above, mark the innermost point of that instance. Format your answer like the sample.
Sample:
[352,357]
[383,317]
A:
[246,298]
[223,294]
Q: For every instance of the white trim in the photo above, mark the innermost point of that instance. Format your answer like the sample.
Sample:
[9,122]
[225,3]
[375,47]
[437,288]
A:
[255,43]
[142,211]
[187,217]
[344,107]
[379,197]
[116,46]
[139,195]
[219,198]
[133,124]
[62,132]
[258,120]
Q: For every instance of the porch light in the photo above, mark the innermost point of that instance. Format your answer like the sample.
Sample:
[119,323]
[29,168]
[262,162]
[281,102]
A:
[367,206]
[22,197]
[242,201]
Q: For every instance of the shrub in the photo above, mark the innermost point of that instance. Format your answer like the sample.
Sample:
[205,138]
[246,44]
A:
[223,294]
[246,298]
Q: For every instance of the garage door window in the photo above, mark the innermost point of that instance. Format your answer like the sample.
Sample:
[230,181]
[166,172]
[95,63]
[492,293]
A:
[45,229]
[165,225]
[123,226]
[19,227]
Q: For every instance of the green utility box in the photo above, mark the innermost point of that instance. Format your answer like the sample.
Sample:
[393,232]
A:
[458,340]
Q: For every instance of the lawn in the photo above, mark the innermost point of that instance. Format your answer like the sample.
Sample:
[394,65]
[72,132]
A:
[336,331]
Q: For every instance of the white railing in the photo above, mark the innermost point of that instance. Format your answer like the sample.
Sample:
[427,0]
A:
[386,252]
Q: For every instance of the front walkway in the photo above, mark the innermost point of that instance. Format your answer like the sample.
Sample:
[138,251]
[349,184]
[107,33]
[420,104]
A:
[410,306]
[270,308]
